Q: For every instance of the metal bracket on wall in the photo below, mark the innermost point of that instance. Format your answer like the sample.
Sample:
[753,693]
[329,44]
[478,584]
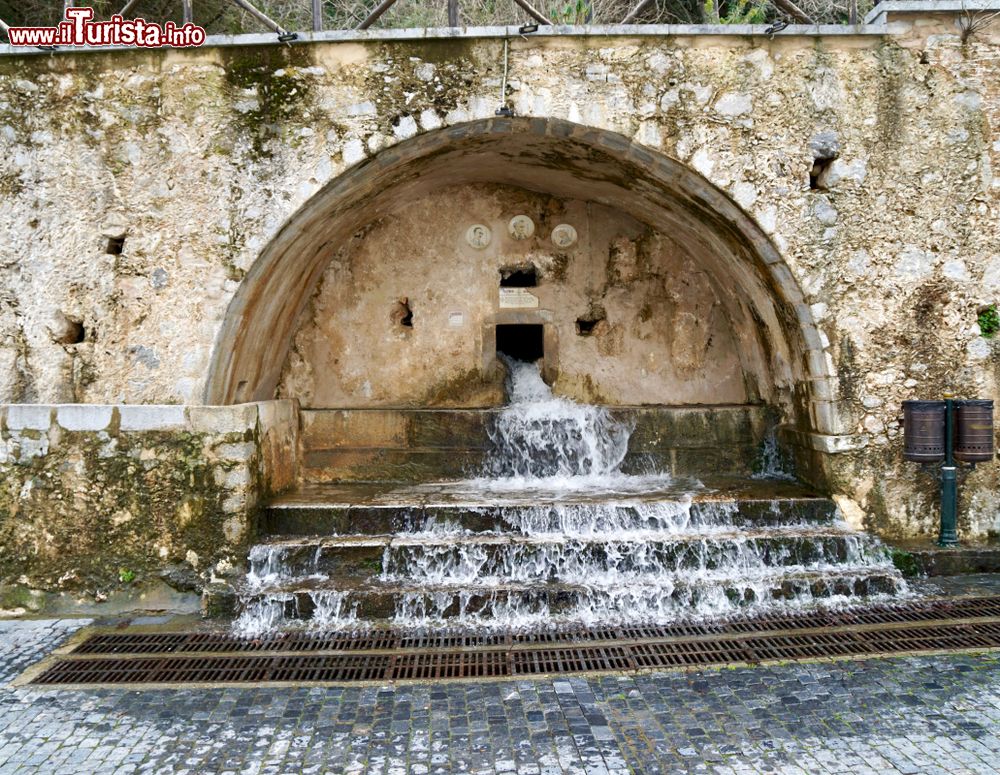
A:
[283,35]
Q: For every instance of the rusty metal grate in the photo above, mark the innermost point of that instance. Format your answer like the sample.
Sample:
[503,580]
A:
[451,640]
[445,664]
[387,640]
[451,664]
[170,658]
[187,643]
[332,668]
[571,660]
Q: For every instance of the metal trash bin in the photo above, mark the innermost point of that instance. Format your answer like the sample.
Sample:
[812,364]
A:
[923,431]
[974,431]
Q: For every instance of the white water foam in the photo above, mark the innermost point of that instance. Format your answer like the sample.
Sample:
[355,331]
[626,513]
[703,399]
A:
[576,540]
[547,444]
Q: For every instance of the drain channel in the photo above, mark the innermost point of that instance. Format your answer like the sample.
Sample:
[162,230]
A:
[169,658]
[386,640]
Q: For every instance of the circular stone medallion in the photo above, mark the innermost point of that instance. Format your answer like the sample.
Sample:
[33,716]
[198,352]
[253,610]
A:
[478,236]
[521,227]
[563,235]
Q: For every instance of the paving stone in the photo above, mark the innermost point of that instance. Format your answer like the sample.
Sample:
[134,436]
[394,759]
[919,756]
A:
[934,714]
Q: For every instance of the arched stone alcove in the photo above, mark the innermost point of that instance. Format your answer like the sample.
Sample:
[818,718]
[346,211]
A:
[780,358]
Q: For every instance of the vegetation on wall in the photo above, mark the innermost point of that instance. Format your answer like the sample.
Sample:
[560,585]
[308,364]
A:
[989,321]
[221,16]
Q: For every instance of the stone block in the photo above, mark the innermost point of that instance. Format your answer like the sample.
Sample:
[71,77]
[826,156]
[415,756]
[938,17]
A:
[84,417]
[818,366]
[823,389]
[328,429]
[275,413]
[810,334]
[33,417]
[223,419]
[240,452]
[451,429]
[234,479]
[782,275]
[833,444]
[236,503]
[218,600]
[826,417]
[152,417]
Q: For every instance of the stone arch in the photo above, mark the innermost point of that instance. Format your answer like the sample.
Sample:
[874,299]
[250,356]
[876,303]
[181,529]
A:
[783,351]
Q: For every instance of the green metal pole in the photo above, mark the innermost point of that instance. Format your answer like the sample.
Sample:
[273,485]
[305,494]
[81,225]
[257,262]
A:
[949,484]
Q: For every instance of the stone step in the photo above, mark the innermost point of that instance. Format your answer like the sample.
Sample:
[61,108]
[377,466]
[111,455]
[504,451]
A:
[414,445]
[553,557]
[433,465]
[642,600]
[290,517]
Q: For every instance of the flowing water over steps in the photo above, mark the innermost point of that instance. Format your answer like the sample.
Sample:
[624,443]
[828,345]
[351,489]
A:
[553,533]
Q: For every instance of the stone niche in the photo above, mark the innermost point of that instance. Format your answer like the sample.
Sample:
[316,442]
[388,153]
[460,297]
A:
[411,310]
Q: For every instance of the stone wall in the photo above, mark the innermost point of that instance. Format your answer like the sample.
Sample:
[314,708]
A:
[868,159]
[96,499]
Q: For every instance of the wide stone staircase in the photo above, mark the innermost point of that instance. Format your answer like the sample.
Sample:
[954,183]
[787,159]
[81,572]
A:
[396,524]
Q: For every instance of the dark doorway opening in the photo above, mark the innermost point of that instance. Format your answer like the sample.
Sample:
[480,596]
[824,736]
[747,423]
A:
[521,342]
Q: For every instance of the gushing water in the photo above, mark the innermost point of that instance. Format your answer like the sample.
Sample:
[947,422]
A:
[542,440]
[564,536]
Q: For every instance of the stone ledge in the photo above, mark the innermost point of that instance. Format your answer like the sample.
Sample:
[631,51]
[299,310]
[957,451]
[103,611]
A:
[837,444]
[223,419]
[562,31]
[154,417]
[84,417]
[31,417]
[822,442]
[136,418]
[957,561]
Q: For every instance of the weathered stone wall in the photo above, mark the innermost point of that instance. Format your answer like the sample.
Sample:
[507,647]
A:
[99,498]
[198,158]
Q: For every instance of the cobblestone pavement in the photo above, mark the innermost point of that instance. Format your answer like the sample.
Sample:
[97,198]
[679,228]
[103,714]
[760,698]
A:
[934,714]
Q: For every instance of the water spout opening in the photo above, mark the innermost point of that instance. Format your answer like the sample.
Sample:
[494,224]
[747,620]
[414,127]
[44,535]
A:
[521,342]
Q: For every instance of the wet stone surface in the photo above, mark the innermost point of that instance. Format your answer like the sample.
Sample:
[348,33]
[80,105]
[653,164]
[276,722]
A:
[933,714]
[22,643]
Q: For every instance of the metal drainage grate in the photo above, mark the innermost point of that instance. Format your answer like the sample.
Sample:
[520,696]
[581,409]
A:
[287,659]
[387,640]
[436,665]
[329,668]
[453,664]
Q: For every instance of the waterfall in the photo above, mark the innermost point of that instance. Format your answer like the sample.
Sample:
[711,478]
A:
[552,532]
[538,436]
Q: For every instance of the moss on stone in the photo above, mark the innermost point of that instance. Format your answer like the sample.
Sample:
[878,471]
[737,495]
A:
[460,65]
[905,562]
[469,388]
[274,77]
[96,504]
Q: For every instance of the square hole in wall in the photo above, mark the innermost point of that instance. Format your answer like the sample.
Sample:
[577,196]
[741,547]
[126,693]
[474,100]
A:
[519,277]
[521,342]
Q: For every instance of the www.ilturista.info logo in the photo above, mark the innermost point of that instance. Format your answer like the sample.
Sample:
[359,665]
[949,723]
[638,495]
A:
[78,29]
